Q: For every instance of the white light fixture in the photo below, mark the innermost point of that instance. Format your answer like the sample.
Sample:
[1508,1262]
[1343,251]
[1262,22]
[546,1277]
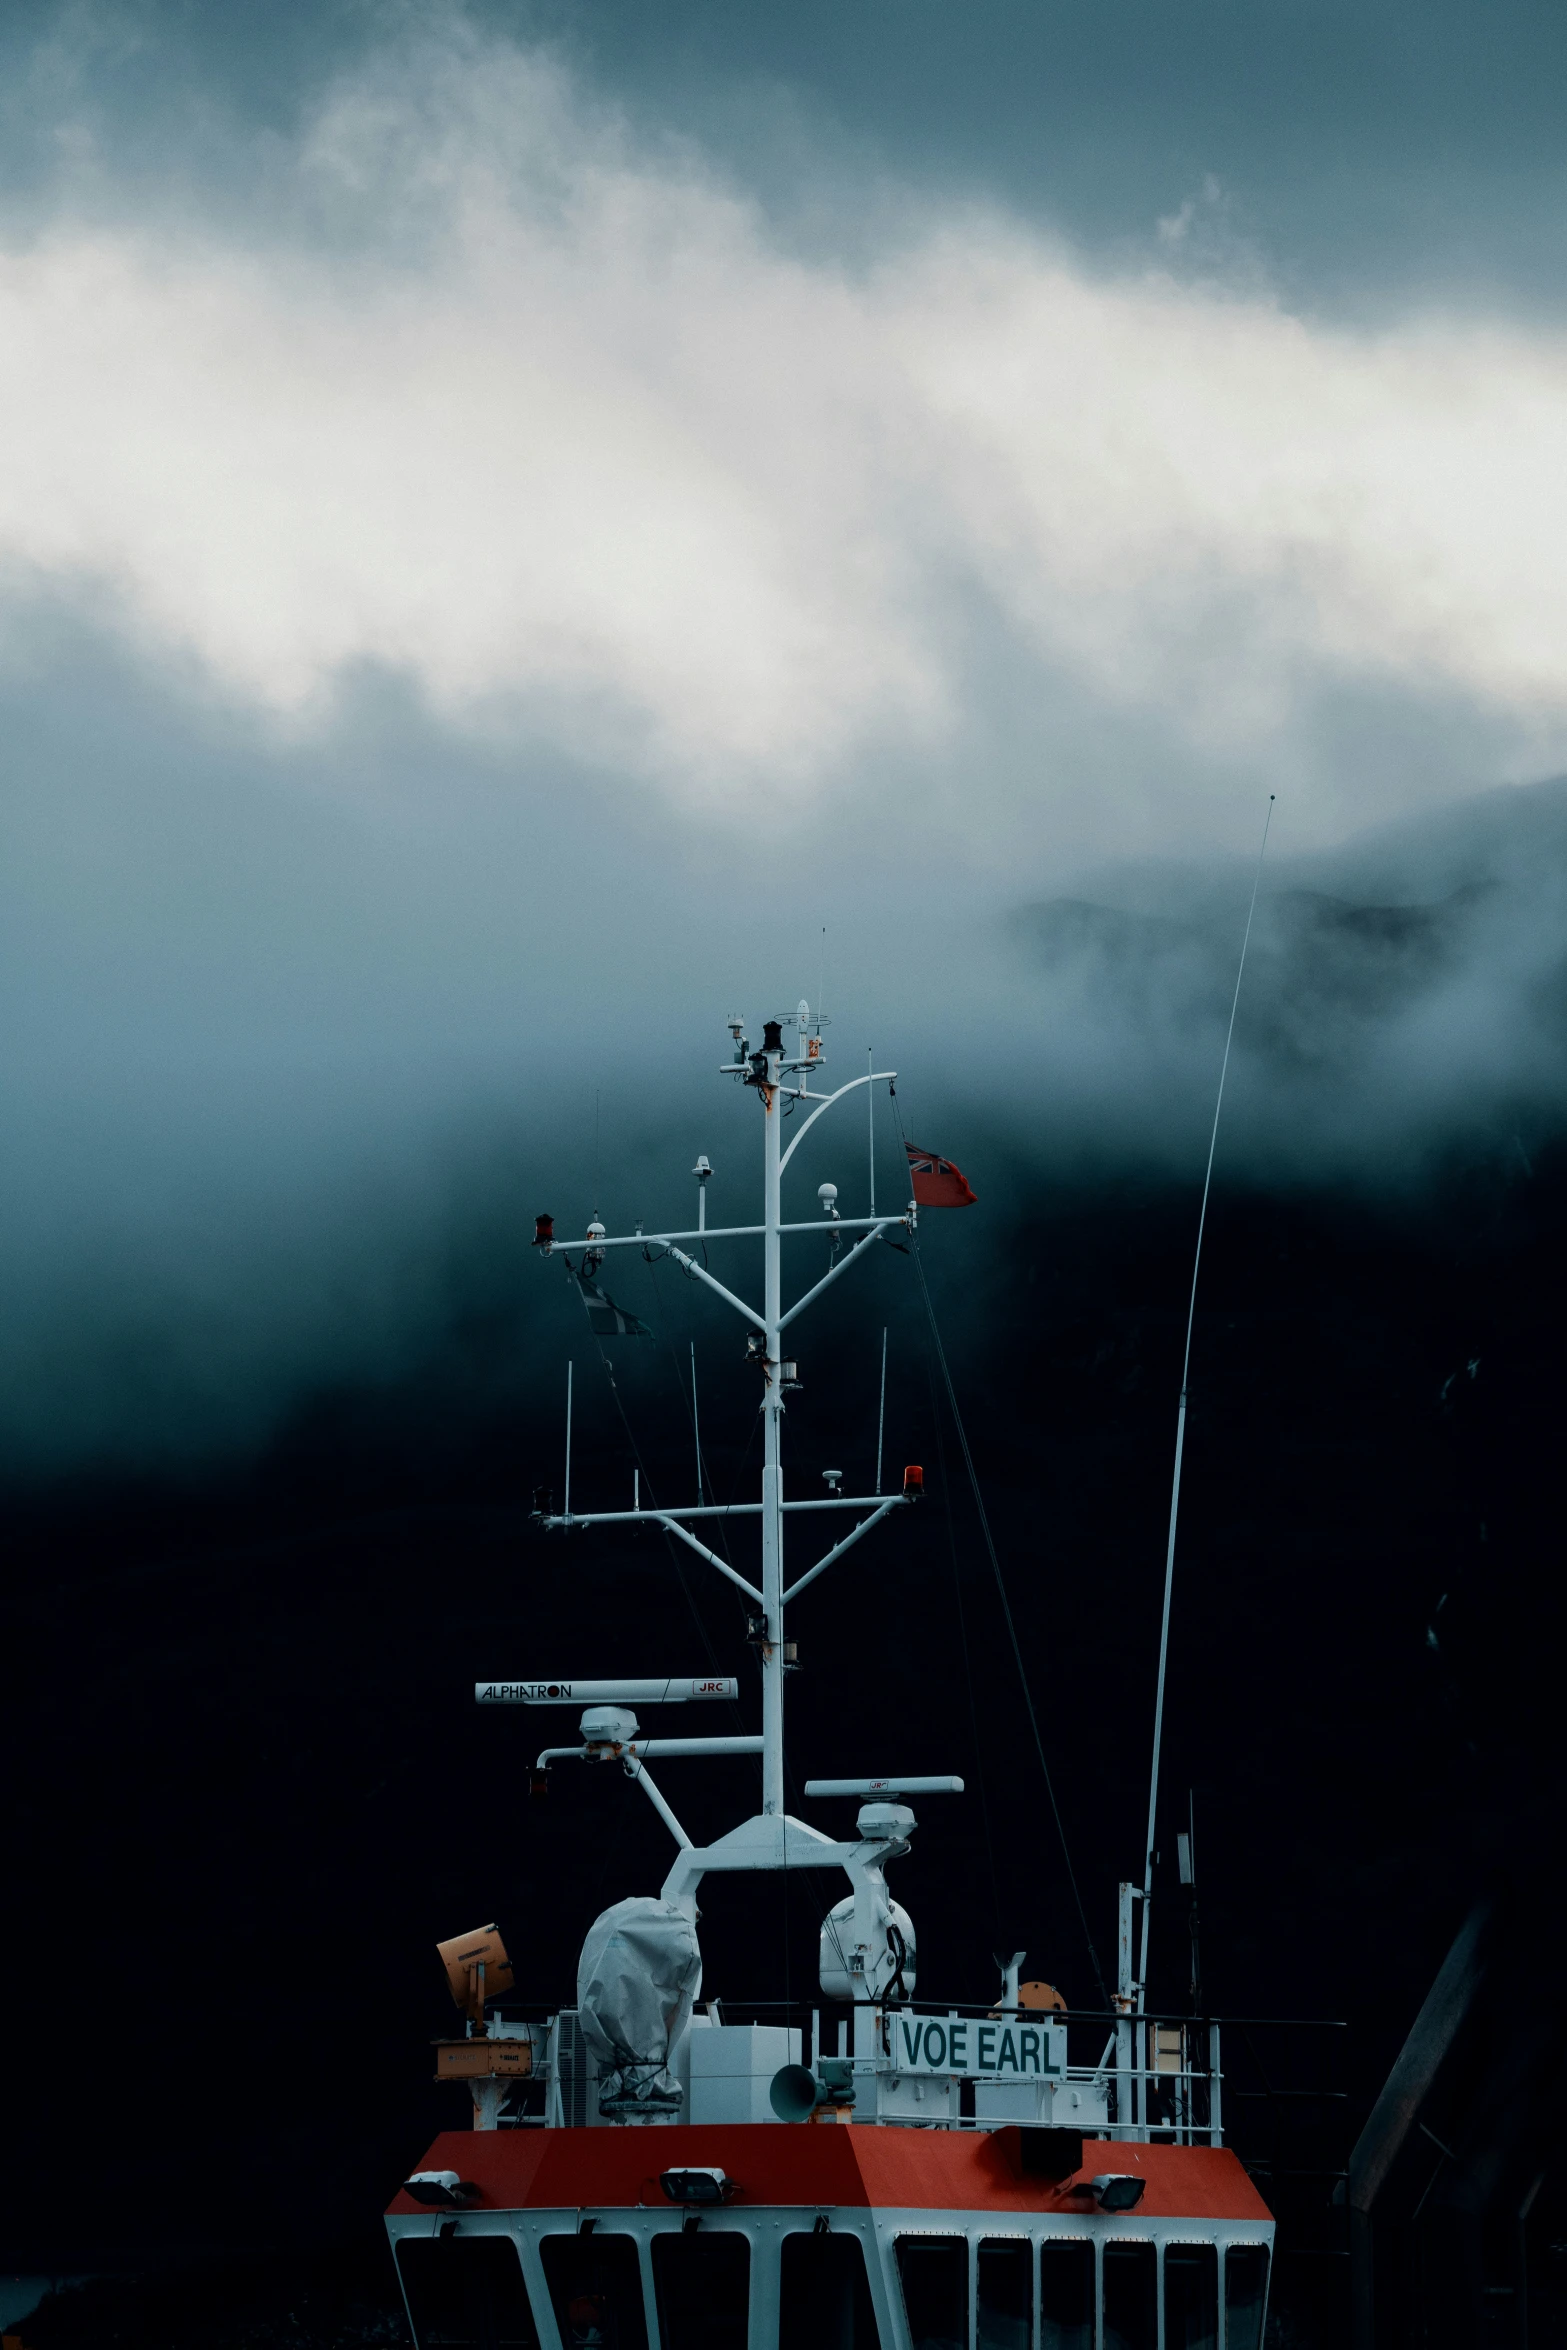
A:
[1118,2190]
[441,2188]
[696,2186]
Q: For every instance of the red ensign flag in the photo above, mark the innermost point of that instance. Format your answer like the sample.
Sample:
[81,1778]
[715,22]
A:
[937,1183]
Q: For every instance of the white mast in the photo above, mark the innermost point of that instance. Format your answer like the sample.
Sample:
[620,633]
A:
[772,1410]
[611,1732]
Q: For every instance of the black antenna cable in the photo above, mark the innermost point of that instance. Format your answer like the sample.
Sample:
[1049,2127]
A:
[1001,1592]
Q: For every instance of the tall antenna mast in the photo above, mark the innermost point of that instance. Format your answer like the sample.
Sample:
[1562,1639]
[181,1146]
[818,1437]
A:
[870,1116]
[778,1077]
[568,1439]
[696,1426]
[1180,1428]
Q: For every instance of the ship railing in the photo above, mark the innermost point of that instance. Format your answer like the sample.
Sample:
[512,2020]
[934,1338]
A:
[1153,2079]
[1150,2078]
[1162,2075]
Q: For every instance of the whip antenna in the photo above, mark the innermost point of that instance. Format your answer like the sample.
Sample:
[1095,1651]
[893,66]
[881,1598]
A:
[1180,1423]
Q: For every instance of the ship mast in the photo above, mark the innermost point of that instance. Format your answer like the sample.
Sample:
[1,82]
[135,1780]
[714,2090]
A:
[770,1093]
[610,1732]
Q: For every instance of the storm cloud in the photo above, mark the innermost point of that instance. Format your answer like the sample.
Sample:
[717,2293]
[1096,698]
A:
[486,391]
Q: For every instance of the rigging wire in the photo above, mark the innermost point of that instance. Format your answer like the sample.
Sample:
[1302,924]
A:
[670,1546]
[1006,1610]
[1180,1421]
[689,1406]
[702,1487]
[1000,1580]
[968,1675]
[687,1399]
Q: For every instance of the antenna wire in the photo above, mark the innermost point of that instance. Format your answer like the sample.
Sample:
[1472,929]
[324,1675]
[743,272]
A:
[1180,1424]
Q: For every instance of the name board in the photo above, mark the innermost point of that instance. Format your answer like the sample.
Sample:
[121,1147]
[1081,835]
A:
[990,2051]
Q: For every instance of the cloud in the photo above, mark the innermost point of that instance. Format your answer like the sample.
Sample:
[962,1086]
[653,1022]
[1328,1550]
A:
[1401,1012]
[480,598]
[297,1044]
[484,389]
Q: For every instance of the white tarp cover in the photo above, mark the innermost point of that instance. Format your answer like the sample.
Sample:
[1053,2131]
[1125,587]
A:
[637,1982]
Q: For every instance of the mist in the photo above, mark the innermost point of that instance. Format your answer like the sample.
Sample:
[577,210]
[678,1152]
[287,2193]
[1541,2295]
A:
[298,1068]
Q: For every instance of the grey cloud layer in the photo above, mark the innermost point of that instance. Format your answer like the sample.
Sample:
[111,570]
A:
[286,1078]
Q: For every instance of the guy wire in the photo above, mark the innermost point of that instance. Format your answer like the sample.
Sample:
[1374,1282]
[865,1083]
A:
[1001,1592]
[670,1545]
[968,1673]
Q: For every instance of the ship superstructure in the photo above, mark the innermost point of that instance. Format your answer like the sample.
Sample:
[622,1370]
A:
[649,2170]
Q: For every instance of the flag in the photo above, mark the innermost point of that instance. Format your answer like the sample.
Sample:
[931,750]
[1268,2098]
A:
[937,1183]
[605,1318]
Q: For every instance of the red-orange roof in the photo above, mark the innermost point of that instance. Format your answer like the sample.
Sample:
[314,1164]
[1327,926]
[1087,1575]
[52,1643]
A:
[815,2165]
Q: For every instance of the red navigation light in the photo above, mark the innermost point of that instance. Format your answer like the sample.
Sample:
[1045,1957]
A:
[914,1481]
[543,1231]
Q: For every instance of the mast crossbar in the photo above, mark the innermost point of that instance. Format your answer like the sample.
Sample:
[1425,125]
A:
[895,1502]
[771,1840]
[559,1247]
[701,1273]
[638,1770]
[842,1266]
[711,1509]
[674,1526]
[635,1749]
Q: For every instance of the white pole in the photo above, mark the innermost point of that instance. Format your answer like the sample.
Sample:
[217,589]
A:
[1180,1428]
[881,1416]
[870,1104]
[772,1477]
[696,1427]
[1125,2030]
[567,1511]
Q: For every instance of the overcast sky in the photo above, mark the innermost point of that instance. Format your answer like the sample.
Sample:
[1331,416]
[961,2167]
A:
[511,518]
[937,404]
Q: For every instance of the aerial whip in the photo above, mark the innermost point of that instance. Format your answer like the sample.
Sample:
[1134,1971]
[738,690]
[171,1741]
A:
[1180,1424]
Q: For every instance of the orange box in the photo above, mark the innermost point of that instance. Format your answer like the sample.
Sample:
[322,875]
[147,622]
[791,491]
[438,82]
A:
[477,2060]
